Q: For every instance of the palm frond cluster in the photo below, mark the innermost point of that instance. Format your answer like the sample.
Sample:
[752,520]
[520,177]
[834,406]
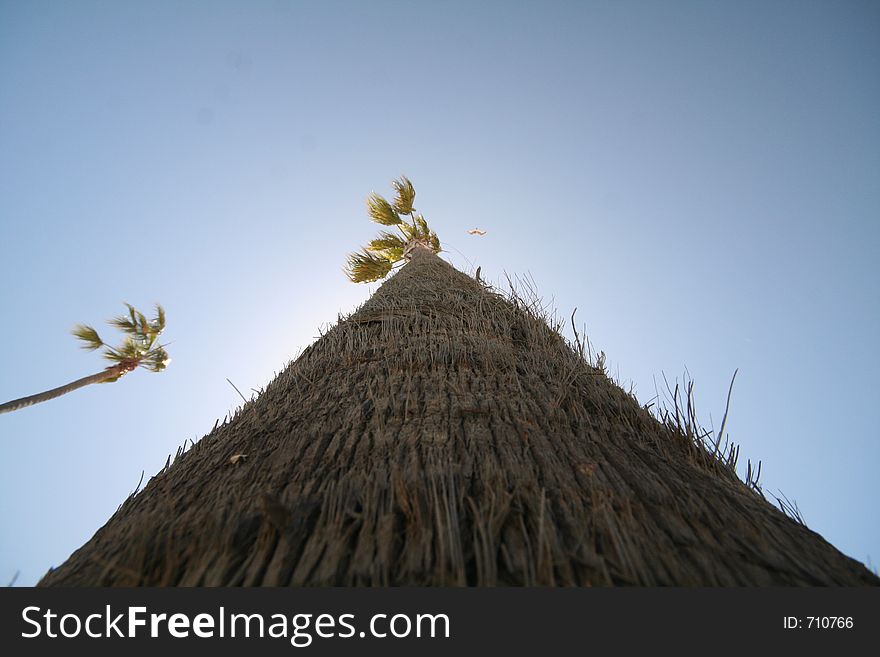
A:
[378,258]
[139,347]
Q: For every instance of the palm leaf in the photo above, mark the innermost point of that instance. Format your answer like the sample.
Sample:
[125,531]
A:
[422,230]
[113,355]
[143,325]
[89,336]
[159,322]
[123,323]
[156,360]
[393,254]
[381,211]
[386,241]
[406,194]
[408,231]
[366,267]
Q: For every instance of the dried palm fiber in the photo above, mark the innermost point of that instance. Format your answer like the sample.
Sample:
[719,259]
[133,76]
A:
[441,435]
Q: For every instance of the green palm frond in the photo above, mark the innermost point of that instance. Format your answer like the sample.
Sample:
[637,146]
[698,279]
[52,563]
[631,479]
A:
[388,246]
[113,355]
[393,254]
[158,324]
[128,323]
[365,267]
[406,194]
[434,241]
[381,211]
[89,336]
[128,350]
[156,360]
[154,327]
[143,325]
[124,324]
[133,348]
[135,316]
[136,325]
[422,230]
[386,241]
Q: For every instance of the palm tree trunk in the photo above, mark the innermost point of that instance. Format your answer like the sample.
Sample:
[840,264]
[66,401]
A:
[442,435]
[24,402]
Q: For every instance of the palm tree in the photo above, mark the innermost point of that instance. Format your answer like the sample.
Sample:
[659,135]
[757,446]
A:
[138,349]
[443,434]
[382,254]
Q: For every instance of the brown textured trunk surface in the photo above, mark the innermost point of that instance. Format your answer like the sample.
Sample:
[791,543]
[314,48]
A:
[17,404]
[442,436]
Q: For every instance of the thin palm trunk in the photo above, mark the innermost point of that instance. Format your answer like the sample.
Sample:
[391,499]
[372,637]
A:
[24,402]
[442,435]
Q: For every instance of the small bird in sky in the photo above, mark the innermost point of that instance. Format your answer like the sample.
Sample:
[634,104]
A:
[476,231]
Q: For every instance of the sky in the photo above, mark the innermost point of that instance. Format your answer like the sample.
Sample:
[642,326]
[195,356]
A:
[701,180]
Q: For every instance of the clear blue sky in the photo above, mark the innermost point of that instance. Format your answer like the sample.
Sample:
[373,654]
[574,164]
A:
[700,179]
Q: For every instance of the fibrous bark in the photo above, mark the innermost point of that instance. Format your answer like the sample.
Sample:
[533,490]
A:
[442,435]
[109,373]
